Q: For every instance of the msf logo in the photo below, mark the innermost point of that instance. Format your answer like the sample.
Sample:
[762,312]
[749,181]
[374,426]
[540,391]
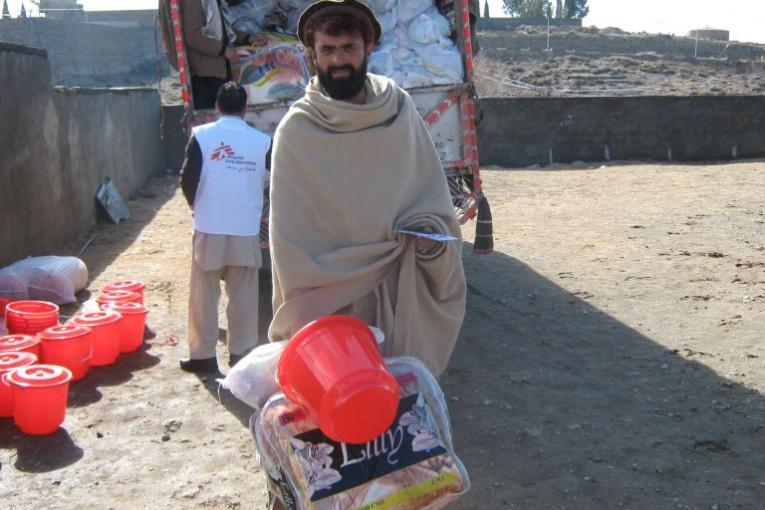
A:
[222,152]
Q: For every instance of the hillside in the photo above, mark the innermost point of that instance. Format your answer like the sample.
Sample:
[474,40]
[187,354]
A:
[610,62]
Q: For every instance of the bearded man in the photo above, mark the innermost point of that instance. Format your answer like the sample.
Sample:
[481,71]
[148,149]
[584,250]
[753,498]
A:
[353,164]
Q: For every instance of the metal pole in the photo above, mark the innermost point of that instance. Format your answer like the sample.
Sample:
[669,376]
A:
[696,48]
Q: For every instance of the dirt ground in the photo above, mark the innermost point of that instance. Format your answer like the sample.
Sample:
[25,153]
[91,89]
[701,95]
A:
[612,356]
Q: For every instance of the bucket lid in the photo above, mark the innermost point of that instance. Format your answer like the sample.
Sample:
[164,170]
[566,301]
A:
[17,342]
[118,295]
[39,376]
[15,359]
[131,285]
[102,318]
[127,307]
[32,309]
[64,332]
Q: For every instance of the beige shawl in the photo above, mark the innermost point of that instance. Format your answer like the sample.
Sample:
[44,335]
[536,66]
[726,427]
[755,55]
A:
[344,178]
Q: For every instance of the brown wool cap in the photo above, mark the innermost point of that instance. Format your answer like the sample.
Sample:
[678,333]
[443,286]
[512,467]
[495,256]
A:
[355,7]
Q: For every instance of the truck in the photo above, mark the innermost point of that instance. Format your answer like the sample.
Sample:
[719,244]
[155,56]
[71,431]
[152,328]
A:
[449,111]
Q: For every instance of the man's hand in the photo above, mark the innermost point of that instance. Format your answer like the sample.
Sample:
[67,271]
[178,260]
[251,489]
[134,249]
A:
[231,55]
[423,246]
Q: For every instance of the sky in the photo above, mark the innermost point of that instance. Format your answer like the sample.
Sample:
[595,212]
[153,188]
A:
[744,18]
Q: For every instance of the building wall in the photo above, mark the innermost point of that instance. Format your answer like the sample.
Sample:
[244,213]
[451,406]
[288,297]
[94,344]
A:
[91,54]
[526,131]
[59,145]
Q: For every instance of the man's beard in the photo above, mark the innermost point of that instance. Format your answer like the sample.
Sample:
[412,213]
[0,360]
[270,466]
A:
[343,88]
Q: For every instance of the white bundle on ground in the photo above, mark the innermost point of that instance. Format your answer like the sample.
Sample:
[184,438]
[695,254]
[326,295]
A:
[51,278]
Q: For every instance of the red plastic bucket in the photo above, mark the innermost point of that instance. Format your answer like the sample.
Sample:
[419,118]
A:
[3,303]
[69,346]
[21,343]
[333,368]
[131,285]
[30,317]
[39,397]
[10,361]
[118,296]
[132,325]
[105,336]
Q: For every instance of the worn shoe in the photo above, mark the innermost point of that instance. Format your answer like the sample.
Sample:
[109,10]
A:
[199,366]
[233,359]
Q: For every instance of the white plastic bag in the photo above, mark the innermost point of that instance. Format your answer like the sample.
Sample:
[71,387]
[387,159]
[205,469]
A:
[380,6]
[441,59]
[387,20]
[429,27]
[253,379]
[409,9]
[51,278]
[381,61]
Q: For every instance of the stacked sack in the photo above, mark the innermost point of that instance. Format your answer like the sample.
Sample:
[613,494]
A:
[416,48]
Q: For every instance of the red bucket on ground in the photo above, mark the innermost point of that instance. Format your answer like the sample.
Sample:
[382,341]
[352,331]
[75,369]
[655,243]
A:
[3,303]
[118,296]
[40,393]
[333,368]
[10,361]
[21,343]
[130,285]
[70,346]
[105,336]
[30,317]
[132,325]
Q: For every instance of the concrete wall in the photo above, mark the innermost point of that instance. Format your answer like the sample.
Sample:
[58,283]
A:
[58,145]
[525,131]
[90,54]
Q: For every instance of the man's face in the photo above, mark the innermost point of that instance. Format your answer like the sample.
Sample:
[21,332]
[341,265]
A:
[341,63]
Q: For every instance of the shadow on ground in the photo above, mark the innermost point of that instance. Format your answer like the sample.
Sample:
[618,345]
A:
[112,240]
[555,404]
[265,313]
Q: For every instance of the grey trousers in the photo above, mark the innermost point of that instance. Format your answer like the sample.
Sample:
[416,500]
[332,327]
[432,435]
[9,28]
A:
[241,282]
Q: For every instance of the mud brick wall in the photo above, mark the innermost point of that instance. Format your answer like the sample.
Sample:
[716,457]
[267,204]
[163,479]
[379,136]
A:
[58,145]
[526,131]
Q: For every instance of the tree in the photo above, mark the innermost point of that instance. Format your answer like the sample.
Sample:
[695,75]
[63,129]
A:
[575,9]
[528,8]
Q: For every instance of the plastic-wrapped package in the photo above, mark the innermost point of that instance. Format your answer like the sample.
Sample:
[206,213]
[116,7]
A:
[249,15]
[441,59]
[276,71]
[429,27]
[387,20]
[14,283]
[253,379]
[411,466]
[410,9]
[51,278]
[380,6]
[381,61]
